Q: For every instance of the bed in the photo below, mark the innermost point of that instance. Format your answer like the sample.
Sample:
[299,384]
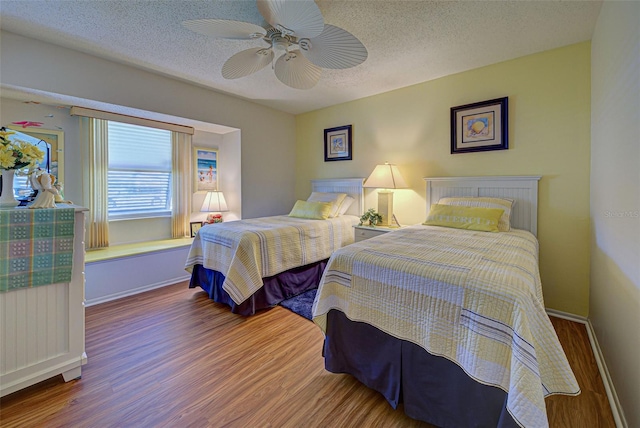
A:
[255,264]
[451,323]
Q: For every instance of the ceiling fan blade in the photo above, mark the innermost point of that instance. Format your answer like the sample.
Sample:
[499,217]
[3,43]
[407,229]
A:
[296,71]
[247,62]
[226,29]
[299,18]
[334,48]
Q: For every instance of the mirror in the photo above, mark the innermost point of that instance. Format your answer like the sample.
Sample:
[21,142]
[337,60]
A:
[49,141]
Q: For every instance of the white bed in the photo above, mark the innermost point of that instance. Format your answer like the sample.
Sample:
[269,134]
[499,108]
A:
[256,263]
[451,322]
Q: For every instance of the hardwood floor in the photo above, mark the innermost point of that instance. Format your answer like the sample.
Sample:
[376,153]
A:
[173,358]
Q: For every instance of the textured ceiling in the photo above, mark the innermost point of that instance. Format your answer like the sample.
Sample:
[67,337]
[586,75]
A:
[408,41]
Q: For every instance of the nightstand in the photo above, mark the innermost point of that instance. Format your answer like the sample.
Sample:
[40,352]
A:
[366,232]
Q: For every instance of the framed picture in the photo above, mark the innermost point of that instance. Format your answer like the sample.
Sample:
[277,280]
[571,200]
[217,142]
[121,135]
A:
[337,143]
[480,126]
[195,227]
[205,169]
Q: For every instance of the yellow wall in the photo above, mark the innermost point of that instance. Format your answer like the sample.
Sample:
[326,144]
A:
[549,135]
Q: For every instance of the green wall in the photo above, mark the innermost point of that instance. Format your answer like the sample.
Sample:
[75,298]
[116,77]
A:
[549,135]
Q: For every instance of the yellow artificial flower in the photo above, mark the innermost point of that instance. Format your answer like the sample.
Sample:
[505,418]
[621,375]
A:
[7,160]
[30,151]
[18,154]
[4,134]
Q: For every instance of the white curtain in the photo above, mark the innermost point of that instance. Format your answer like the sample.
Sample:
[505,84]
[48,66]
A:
[181,185]
[97,159]
[94,128]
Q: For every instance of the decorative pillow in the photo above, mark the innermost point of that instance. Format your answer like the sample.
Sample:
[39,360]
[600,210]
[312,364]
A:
[461,217]
[312,210]
[334,198]
[348,200]
[504,225]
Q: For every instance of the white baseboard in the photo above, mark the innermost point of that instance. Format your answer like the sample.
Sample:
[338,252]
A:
[148,287]
[616,408]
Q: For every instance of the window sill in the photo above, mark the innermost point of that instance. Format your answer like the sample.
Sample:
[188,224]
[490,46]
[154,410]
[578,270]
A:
[140,248]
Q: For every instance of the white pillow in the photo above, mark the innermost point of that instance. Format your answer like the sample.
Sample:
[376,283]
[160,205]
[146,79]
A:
[504,225]
[348,200]
[335,199]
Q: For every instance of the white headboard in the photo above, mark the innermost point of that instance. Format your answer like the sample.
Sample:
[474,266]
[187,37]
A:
[350,186]
[522,189]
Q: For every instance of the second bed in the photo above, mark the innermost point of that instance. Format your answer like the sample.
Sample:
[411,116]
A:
[257,263]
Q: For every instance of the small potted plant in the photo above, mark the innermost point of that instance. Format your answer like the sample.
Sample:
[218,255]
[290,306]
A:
[371,217]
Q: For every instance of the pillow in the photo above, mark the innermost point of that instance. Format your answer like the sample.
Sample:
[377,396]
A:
[334,198]
[461,217]
[348,200]
[312,210]
[504,225]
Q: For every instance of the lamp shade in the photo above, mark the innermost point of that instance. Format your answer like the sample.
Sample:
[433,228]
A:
[214,202]
[386,176]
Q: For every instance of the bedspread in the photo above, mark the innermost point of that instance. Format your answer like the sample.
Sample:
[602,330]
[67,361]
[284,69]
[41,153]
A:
[474,298]
[246,251]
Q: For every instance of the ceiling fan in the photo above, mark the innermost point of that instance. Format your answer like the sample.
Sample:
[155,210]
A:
[296,35]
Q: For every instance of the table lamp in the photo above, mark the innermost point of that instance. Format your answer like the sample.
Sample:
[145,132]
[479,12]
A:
[214,202]
[386,177]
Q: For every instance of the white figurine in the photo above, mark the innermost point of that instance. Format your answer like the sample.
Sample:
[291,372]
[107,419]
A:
[47,193]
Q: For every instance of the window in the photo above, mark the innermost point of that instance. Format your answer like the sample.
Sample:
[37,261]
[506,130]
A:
[139,178]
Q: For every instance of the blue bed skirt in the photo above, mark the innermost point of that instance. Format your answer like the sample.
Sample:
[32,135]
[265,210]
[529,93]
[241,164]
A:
[276,288]
[431,388]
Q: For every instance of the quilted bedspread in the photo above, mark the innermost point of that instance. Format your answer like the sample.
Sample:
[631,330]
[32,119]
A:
[248,250]
[474,298]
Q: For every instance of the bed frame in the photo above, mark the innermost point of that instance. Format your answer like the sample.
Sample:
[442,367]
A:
[351,186]
[522,189]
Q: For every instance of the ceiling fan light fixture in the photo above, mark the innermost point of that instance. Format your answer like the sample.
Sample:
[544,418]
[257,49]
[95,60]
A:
[297,72]
[280,44]
[297,36]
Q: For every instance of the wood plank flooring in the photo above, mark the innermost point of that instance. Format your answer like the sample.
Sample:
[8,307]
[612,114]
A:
[173,358]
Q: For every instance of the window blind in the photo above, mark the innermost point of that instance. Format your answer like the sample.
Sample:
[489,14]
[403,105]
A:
[139,177]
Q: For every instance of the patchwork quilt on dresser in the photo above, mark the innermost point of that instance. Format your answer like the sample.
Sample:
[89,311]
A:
[248,250]
[474,298]
[36,247]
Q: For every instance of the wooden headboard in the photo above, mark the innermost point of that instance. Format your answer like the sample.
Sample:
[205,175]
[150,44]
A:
[350,186]
[522,189]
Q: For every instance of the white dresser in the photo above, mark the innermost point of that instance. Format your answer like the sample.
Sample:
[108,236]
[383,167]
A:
[42,329]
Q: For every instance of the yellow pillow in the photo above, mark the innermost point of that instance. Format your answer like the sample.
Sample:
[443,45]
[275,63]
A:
[504,225]
[312,210]
[335,199]
[461,217]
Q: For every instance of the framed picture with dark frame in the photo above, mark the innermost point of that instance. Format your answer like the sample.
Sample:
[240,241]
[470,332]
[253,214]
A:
[195,227]
[480,127]
[338,143]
